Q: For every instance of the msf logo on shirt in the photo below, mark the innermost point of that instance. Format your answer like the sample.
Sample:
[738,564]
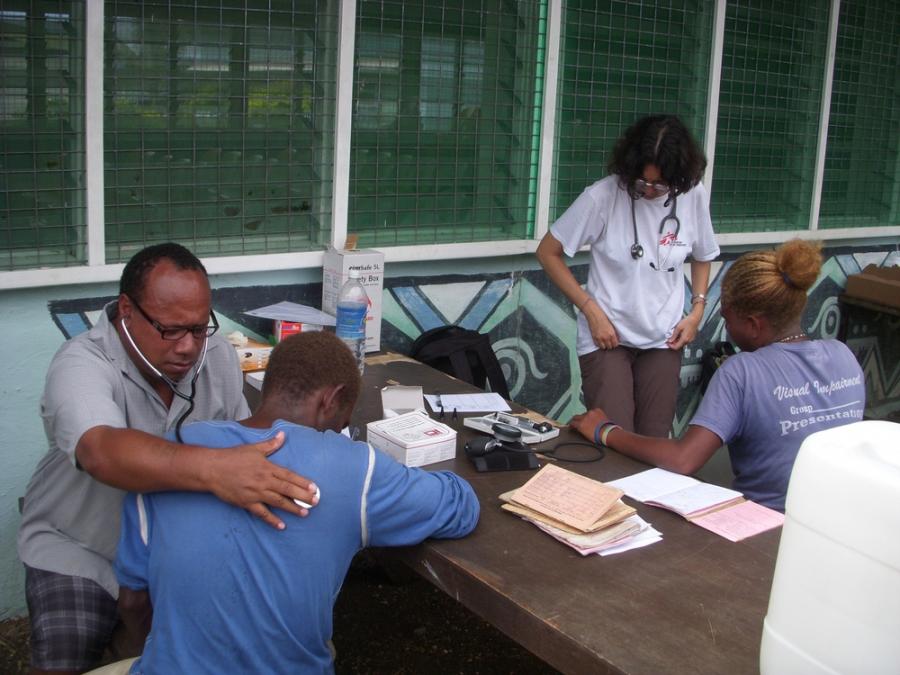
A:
[668,239]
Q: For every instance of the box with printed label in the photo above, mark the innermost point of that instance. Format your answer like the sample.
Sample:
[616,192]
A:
[336,270]
[282,329]
[254,355]
[413,439]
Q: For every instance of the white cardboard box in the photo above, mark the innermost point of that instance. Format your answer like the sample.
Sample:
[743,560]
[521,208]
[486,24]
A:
[398,399]
[336,270]
[413,439]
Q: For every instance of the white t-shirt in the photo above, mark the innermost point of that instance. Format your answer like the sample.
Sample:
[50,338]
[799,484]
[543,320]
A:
[644,304]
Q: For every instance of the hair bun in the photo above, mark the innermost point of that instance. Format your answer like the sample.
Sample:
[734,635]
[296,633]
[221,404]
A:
[799,263]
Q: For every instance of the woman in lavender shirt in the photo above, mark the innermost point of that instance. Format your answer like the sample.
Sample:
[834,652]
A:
[764,401]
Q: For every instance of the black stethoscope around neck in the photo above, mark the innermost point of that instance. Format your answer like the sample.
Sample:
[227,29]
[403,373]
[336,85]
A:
[637,251]
[173,385]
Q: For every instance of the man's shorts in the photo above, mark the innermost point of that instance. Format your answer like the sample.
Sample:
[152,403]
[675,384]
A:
[72,620]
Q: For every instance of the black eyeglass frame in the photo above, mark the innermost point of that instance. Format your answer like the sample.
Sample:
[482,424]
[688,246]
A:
[175,333]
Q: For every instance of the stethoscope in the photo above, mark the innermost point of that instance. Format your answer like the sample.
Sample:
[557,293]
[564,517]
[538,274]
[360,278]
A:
[637,251]
[172,384]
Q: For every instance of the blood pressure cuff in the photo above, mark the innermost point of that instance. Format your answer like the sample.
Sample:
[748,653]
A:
[505,460]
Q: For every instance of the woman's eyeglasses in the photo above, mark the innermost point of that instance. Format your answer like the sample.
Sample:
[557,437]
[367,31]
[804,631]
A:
[642,187]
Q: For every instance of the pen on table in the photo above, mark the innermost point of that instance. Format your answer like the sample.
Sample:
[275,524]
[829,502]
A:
[437,400]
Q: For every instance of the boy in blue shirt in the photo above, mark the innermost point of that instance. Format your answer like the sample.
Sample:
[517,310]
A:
[229,593]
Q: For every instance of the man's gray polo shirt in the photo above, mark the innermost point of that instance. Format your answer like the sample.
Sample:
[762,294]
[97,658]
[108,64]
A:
[70,522]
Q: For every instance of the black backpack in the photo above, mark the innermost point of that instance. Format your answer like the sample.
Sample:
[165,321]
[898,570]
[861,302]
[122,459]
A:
[465,354]
[712,360]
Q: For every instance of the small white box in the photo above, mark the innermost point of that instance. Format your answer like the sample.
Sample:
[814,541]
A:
[398,399]
[336,270]
[413,439]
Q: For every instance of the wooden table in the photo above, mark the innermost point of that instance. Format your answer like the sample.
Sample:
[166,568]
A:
[692,603]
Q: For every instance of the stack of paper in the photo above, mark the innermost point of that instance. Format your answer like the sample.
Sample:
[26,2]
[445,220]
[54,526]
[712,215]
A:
[580,512]
[715,508]
[464,403]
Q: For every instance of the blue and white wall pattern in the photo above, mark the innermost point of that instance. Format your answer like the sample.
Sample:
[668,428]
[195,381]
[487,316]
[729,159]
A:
[532,326]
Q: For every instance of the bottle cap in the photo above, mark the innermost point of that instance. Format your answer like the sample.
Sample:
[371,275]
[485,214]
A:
[353,274]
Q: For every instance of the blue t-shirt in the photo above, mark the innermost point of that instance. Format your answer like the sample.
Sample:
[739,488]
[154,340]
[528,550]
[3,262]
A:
[765,403]
[231,594]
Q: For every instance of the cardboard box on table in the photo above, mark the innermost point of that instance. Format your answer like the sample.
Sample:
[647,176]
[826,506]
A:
[282,329]
[336,271]
[254,356]
[880,285]
[413,439]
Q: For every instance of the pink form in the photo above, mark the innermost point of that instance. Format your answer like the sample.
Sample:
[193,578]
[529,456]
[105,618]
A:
[740,521]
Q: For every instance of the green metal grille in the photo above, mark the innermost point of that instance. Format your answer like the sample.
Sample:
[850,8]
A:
[42,215]
[773,67]
[860,186]
[444,121]
[621,61]
[214,125]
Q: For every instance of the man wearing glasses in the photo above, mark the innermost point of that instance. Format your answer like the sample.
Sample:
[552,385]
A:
[152,361]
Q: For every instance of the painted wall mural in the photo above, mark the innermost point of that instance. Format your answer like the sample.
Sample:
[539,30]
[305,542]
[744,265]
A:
[532,326]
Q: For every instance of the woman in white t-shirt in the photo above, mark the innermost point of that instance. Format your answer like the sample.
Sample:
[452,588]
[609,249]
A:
[641,223]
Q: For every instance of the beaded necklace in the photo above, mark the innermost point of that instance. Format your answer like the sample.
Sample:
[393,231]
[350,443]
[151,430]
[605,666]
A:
[792,338]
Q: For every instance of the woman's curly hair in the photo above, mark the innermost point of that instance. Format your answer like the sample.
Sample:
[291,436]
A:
[661,140]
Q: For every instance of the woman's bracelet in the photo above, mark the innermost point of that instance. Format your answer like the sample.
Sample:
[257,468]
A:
[699,297]
[598,429]
[583,303]
[601,431]
[605,433]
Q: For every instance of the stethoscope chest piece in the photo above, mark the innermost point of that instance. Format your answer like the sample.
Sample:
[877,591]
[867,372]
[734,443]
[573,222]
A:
[637,251]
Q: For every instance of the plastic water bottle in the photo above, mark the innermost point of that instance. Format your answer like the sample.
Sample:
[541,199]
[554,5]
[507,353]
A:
[350,325]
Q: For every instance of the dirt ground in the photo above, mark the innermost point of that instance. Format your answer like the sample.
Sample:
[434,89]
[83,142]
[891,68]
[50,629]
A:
[380,627]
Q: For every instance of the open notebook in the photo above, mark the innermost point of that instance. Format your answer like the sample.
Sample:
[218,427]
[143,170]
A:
[718,509]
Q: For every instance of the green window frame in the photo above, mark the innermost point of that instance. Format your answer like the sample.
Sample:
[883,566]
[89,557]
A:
[773,74]
[42,209]
[214,125]
[860,186]
[444,135]
[620,61]
[252,130]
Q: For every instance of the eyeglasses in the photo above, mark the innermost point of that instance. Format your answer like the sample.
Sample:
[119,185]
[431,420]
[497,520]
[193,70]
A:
[642,187]
[178,332]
